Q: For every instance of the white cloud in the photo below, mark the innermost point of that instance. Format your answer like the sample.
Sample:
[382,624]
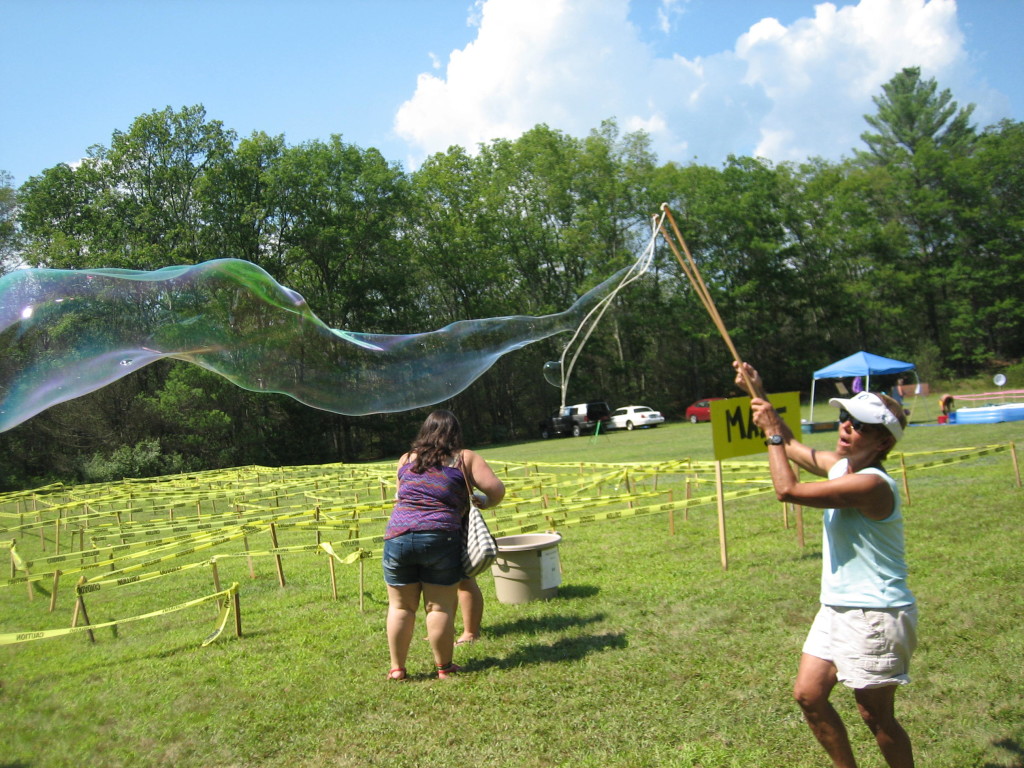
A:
[821,73]
[783,92]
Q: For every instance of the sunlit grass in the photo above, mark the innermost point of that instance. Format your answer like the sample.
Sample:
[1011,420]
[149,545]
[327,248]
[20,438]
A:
[652,654]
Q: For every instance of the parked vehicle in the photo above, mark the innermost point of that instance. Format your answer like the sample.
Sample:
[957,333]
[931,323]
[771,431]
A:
[575,420]
[634,417]
[700,410]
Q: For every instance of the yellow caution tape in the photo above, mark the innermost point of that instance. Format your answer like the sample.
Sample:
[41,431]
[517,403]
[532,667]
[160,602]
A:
[11,638]
[359,554]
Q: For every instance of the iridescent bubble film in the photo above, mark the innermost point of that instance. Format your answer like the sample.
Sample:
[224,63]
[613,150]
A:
[64,333]
[553,372]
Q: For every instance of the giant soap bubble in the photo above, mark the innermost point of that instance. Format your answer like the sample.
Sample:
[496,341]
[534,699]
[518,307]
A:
[64,333]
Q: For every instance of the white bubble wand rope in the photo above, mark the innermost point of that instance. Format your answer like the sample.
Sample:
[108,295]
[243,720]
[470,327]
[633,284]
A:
[594,316]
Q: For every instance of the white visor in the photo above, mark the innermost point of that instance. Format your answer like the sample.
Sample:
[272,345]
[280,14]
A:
[869,408]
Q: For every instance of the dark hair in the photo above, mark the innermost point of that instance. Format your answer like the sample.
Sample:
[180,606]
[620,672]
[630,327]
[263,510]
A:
[440,438]
[896,410]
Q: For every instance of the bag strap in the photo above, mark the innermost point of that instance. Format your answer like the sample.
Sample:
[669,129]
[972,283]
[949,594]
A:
[465,477]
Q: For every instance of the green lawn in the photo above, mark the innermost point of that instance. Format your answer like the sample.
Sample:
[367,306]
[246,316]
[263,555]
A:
[651,655]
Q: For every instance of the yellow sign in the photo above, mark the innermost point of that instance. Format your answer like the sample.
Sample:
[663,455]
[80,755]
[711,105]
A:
[733,428]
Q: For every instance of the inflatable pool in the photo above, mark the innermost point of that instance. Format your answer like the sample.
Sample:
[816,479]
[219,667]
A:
[989,415]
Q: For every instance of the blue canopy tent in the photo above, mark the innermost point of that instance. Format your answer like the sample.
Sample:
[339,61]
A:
[859,364]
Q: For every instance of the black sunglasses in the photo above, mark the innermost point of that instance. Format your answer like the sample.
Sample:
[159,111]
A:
[857,424]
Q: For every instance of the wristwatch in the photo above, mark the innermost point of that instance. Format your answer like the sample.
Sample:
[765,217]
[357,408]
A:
[775,440]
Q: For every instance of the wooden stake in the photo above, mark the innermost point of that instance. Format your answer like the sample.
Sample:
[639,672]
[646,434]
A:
[906,486]
[238,614]
[216,579]
[53,592]
[719,490]
[280,567]
[686,509]
[799,518]
[80,610]
[334,577]
[361,588]
[1016,467]
[252,570]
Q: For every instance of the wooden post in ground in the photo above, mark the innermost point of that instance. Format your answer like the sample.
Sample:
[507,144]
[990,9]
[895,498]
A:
[799,518]
[720,492]
[361,588]
[39,519]
[686,509]
[1016,467]
[238,614]
[277,557]
[216,579]
[906,486]
[53,592]
[334,577]
[80,611]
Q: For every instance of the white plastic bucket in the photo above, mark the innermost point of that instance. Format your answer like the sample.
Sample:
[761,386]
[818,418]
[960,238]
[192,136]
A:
[527,567]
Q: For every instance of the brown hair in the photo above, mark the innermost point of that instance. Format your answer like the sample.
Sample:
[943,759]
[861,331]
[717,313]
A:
[896,410]
[439,439]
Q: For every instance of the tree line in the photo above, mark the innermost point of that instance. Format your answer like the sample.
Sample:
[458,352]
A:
[910,248]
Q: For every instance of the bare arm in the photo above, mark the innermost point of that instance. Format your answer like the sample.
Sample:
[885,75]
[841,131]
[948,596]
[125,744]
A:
[814,461]
[481,476]
[868,493]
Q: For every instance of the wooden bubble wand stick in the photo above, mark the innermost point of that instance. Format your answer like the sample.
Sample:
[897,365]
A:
[689,267]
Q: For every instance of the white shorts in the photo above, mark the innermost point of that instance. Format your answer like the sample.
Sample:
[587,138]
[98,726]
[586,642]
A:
[870,647]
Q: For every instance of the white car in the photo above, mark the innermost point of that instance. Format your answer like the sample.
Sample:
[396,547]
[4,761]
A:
[633,416]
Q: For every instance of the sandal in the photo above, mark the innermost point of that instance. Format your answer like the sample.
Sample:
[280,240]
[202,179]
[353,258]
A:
[466,641]
[398,673]
[445,671]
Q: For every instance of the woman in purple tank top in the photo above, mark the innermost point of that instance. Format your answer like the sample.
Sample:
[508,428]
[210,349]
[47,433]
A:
[423,541]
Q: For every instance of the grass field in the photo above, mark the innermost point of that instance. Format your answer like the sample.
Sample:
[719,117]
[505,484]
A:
[651,655]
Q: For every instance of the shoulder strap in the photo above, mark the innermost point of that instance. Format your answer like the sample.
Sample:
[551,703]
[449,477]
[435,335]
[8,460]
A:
[465,477]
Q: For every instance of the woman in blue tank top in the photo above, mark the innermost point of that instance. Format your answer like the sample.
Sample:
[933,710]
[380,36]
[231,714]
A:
[423,540]
[866,627]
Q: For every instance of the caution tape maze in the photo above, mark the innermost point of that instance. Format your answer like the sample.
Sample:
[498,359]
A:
[73,548]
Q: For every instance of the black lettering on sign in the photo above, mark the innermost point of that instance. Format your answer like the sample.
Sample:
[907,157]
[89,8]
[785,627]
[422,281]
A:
[734,418]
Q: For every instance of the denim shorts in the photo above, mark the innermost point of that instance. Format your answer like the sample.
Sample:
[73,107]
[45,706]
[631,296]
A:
[423,557]
[869,647]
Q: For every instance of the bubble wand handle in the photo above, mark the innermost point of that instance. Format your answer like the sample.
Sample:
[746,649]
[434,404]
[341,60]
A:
[689,267]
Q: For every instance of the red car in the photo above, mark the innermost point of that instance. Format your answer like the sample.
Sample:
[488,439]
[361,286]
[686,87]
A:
[700,410]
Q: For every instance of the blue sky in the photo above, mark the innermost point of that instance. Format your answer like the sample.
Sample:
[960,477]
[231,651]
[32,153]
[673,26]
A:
[784,79]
